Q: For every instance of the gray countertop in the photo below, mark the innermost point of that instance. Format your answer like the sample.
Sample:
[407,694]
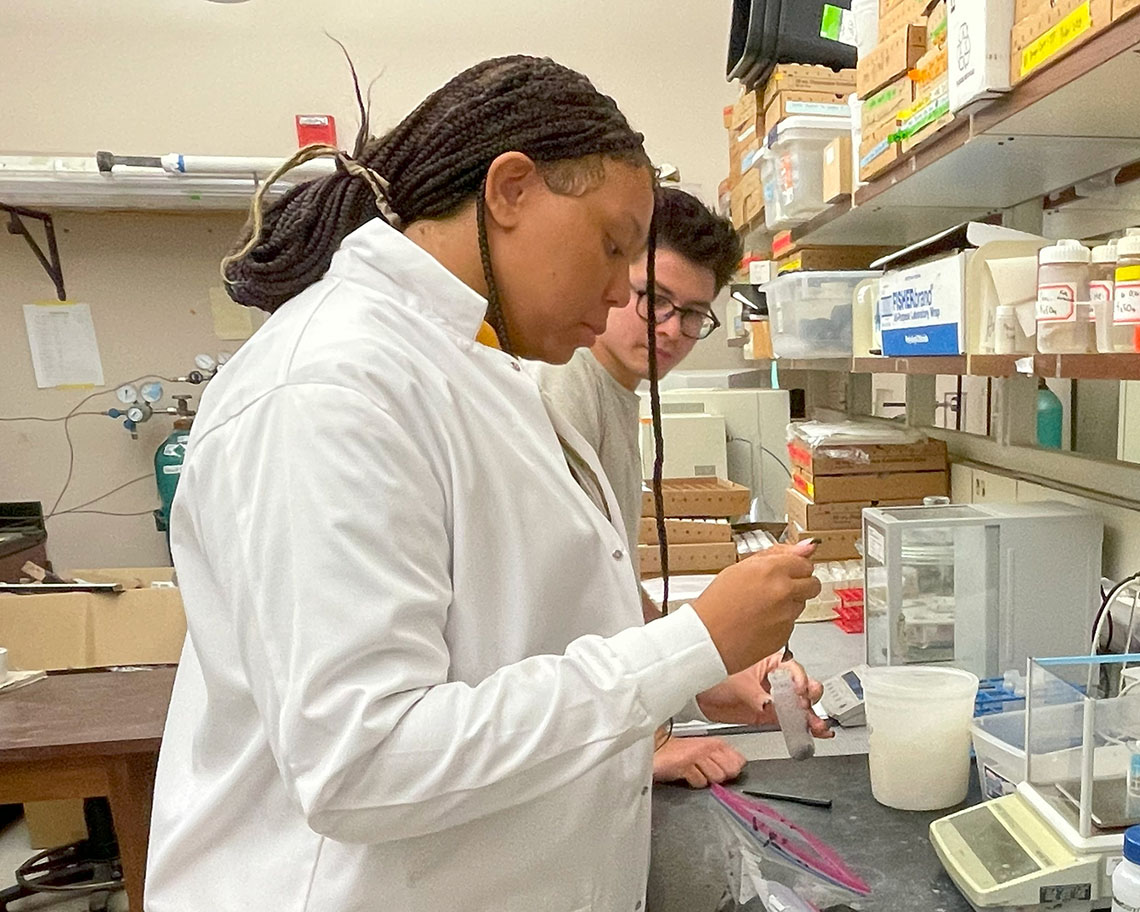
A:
[887,848]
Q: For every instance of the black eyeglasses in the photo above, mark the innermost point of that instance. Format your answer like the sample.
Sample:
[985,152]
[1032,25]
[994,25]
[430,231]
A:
[695,323]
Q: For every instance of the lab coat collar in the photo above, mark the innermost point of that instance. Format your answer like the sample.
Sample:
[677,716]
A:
[379,256]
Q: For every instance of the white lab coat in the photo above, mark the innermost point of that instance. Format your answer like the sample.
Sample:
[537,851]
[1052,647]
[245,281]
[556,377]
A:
[415,677]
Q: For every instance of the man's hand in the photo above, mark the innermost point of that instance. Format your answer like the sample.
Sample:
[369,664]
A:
[745,698]
[698,761]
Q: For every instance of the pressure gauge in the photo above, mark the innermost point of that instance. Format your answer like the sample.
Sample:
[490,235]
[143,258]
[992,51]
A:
[127,394]
[205,362]
[136,414]
[151,392]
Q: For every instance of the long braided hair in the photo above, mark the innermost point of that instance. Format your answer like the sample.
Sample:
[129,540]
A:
[430,165]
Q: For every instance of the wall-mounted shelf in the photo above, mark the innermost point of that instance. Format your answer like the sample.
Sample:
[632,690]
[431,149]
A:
[1061,125]
[1075,367]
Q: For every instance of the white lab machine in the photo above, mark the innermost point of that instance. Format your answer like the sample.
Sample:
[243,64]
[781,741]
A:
[756,427]
[1054,843]
[982,587]
[694,446]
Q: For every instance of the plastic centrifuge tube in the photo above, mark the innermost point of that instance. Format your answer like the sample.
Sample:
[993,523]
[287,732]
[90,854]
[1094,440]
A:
[793,720]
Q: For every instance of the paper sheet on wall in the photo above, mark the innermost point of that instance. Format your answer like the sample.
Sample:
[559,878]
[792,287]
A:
[61,337]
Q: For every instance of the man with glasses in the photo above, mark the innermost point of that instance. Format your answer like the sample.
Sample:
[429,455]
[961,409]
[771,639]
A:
[697,254]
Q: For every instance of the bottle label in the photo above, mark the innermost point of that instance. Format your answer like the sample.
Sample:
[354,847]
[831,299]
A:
[1126,303]
[1055,303]
[1100,292]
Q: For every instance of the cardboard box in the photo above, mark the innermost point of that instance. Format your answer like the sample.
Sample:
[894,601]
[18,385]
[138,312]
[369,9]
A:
[1048,35]
[837,169]
[685,497]
[83,630]
[878,149]
[806,259]
[789,104]
[685,531]
[926,132]
[747,201]
[834,544]
[883,486]
[727,114]
[1120,7]
[863,459]
[908,12]
[703,558]
[761,331]
[894,56]
[936,25]
[55,823]
[886,6]
[745,110]
[801,77]
[884,106]
[807,514]
[979,41]
[921,307]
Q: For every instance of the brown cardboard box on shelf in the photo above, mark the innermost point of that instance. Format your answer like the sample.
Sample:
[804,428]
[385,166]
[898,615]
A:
[884,106]
[685,531]
[55,631]
[727,114]
[747,201]
[707,557]
[886,6]
[837,169]
[834,544]
[802,77]
[882,486]
[807,514]
[746,109]
[684,497]
[1120,7]
[877,150]
[761,340]
[907,12]
[863,459]
[806,259]
[926,133]
[1050,32]
[789,104]
[893,57]
[936,25]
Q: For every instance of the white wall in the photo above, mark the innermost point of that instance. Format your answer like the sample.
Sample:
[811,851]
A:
[147,77]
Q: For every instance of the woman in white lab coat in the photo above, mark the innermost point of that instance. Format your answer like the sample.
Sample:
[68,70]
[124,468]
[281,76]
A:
[415,676]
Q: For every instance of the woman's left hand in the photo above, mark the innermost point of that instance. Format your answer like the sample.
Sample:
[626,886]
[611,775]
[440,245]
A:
[745,698]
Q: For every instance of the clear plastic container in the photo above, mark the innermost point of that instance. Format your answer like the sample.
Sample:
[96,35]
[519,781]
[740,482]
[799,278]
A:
[792,168]
[1125,331]
[918,720]
[810,313]
[1064,313]
[1102,282]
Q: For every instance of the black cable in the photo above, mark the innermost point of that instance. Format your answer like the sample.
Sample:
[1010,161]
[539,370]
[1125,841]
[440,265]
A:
[655,411]
[51,420]
[779,461]
[1105,604]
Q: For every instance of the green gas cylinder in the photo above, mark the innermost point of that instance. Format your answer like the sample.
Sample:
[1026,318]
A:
[168,464]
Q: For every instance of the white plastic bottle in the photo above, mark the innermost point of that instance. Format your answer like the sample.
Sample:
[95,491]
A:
[1126,877]
[1064,314]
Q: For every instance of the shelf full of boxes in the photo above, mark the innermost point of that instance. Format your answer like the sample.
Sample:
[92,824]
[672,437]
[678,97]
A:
[955,114]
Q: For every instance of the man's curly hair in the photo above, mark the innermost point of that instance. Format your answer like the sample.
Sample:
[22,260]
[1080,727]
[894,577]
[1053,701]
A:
[688,227]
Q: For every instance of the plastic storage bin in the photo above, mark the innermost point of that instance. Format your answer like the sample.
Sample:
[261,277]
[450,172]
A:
[810,313]
[999,745]
[792,168]
[766,32]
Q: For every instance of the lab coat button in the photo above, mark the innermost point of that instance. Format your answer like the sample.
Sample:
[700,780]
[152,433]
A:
[645,790]
[619,554]
[637,906]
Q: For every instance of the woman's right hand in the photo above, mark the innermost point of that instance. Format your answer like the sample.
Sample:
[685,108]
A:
[751,608]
